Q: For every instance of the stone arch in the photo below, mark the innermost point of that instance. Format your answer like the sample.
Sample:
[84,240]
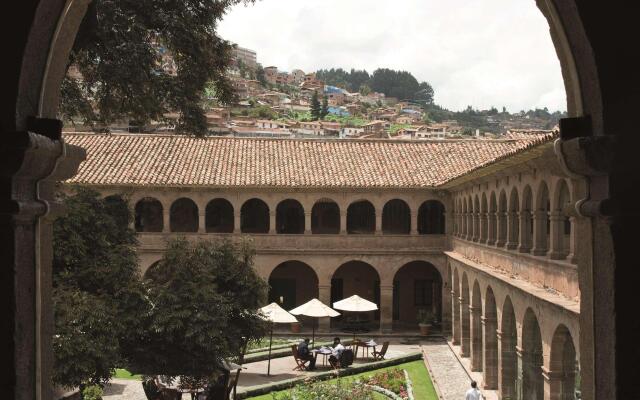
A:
[476,327]
[532,360]
[526,225]
[514,220]
[455,315]
[502,224]
[465,317]
[492,219]
[542,220]
[431,218]
[292,283]
[396,217]
[564,368]
[183,216]
[356,277]
[254,216]
[416,285]
[361,217]
[219,216]
[151,270]
[509,361]
[290,217]
[149,215]
[325,217]
[490,321]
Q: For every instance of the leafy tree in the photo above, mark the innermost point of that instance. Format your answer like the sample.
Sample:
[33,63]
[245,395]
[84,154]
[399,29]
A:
[316,109]
[205,296]
[324,110]
[424,93]
[365,89]
[97,294]
[260,76]
[122,62]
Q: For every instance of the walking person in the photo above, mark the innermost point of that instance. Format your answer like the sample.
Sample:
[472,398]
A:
[473,393]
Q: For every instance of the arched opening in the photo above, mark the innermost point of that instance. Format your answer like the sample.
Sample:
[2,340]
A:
[493,219]
[564,367]
[526,227]
[484,219]
[290,217]
[396,218]
[292,283]
[325,218]
[508,343]
[490,367]
[149,216]
[356,277]
[562,210]
[219,216]
[417,285]
[254,217]
[463,218]
[532,379]
[184,216]
[469,219]
[361,218]
[456,307]
[514,220]
[502,220]
[152,272]
[431,218]
[476,328]
[118,208]
[465,317]
[456,220]
[476,218]
[542,221]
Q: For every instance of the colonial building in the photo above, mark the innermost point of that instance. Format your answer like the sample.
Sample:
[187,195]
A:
[482,233]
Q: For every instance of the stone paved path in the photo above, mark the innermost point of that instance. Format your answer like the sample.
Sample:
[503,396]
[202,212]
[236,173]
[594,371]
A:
[447,373]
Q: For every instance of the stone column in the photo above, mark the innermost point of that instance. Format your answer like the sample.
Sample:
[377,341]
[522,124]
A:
[324,295]
[512,230]
[501,233]
[343,222]
[573,241]
[484,229]
[476,228]
[491,228]
[237,222]
[465,337]
[378,230]
[539,233]
[166,219]
[272,222]
[307,222]
[525,232]
[455,318]
[476,338]
[520,372]
[489,361]
[414,222]
[202,226]
[469,235]
[386,308]
[556,251]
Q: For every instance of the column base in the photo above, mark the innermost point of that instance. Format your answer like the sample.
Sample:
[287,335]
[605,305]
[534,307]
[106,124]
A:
[554,255]
[524,249]
[499,244]
[511,246]
[539,252]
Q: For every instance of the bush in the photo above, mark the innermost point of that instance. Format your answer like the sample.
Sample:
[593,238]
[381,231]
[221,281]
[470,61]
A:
[92,392]
[336,390]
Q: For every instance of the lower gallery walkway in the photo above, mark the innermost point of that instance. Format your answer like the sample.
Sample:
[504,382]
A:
[447,372]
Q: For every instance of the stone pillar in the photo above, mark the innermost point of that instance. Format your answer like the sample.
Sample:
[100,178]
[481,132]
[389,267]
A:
[573,241]
[414,222]
[525,231]
[378,229]
[324,295]
[484,229]
[476,338]
[465,337]
[455,318]
[307,222]
[539,233]
[520,372]
[512,230]
[202,226]
[343,222]
[272,222]
[386,308]
[166,219]
[469,235]
[489,359]
[501,231]
[556,251]
[476,228]
[500,361]
[491,228]
[237,222]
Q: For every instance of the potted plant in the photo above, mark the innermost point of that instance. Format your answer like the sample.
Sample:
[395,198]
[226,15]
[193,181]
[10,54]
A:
[425,319]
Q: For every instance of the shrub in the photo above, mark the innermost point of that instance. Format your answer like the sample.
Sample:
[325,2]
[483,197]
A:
[335,390]
[92,392]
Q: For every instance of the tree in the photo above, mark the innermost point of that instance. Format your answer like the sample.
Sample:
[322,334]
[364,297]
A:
[424,93]
[324,110]
[316,111]
[260,76]
[122,62]
[205,296]
[365,90]
[97,293]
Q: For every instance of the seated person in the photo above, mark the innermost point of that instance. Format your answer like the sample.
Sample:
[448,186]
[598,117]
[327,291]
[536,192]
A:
[305,354]
[336,352]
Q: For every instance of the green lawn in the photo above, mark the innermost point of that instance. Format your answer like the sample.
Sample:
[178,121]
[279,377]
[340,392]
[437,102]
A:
[124,374]
[264,343]
[422,385]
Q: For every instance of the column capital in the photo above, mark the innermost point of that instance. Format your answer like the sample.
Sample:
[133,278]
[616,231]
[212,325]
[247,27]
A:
[551,376]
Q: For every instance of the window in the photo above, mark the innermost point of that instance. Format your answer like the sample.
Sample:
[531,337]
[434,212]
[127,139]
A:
[422,293]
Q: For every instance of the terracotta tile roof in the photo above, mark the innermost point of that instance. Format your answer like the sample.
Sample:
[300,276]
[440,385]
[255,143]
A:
[171,160]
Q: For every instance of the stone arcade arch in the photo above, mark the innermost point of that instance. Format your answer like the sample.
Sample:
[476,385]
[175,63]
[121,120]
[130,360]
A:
[290,217]
[254,216]
[476,327]
[219,216]
[532,380]
[361,218]
[183,216]
[490,331]
[465,317]
[564,368]
[356,277]
[325,217]
[416,285]
[149,215]
[396,218]
[292,283]
[508,340]
[431,218]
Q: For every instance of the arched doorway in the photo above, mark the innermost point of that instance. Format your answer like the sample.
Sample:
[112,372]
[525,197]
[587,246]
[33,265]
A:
[431,218]
[356,277]
[292,283]
[532,380]
[490,341]
[476,328]
[325,217]
[396,218]
[290,217]
[184,216]
[508,343]
[149,216]
[417,285]
[564,367]
[254,217]
[219,216]
[361,218]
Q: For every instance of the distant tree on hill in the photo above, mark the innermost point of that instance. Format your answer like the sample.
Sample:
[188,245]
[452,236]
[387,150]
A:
[260,76]
[365,89]
[324,109]
[316,108]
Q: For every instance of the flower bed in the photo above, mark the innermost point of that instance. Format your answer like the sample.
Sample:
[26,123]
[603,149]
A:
[338,390]
[393,380]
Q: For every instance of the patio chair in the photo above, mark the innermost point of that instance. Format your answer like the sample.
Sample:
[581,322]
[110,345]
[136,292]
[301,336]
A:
[379,355]
[301,365]
[345,360]
[231,386]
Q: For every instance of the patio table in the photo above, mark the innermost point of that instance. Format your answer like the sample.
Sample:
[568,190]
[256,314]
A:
[324,352]
[366,346]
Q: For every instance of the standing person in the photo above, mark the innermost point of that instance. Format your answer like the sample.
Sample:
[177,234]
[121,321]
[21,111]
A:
[305,354]
[473,393]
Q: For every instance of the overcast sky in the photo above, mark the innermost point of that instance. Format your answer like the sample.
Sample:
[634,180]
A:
[474,52]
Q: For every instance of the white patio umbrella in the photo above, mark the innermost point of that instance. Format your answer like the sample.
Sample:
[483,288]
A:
[355,303]
[276,315]
[316,309]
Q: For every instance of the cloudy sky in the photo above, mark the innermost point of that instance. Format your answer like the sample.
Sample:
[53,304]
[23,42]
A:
[474,52]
